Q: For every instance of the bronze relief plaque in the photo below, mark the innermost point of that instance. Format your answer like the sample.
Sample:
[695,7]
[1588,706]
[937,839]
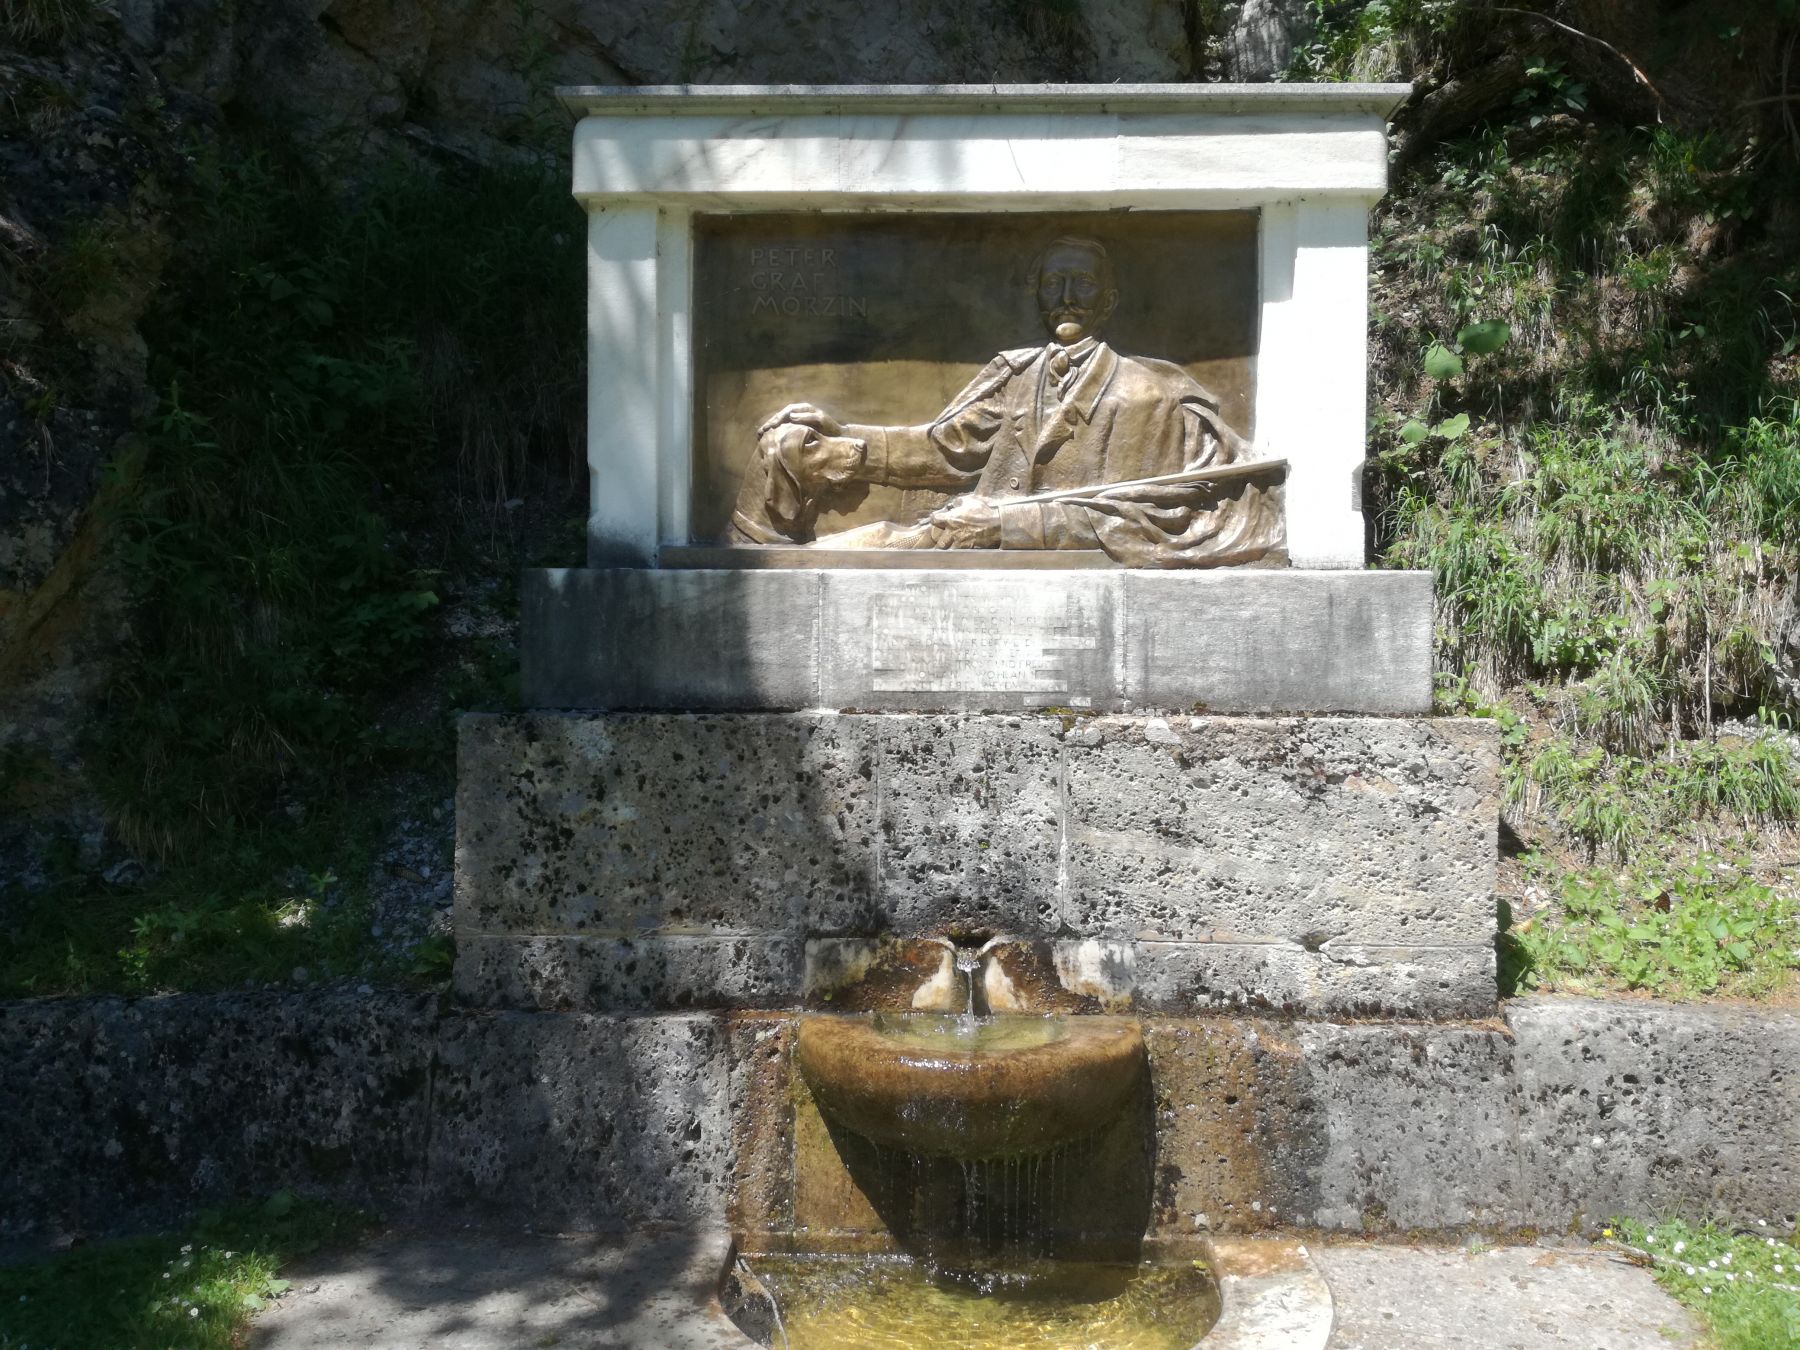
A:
[1075,382]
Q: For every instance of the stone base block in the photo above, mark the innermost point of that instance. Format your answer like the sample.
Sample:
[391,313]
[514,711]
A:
[1232,640]
[1336,980]
[1316,865]
[657,971]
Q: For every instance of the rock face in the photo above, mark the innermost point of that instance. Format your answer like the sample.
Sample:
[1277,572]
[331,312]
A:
[85,135]
[474,76]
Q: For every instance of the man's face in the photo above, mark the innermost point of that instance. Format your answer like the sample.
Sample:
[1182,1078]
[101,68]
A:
[1073,295]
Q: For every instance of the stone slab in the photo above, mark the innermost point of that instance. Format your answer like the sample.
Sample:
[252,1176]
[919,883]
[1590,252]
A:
[501,1290]
[629,638]
[1324,865]
[1347,830]
[580,1120]
[1336,980]
[1228,640]
[623,826]
[1649,1108]
[1502,1298]
[1414,1128]
[660,970]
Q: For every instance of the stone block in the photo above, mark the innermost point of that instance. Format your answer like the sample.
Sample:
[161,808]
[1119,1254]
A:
[634,824]
[131,1111]
[583,1120]
[1337,980]
[762,1122]
[1234,1129]
[970,641]
[605,974]
[1279,641]
[1414,1127]
[971,817]
[1231,640]
[630,638]
[1648,1109]
[1356,830]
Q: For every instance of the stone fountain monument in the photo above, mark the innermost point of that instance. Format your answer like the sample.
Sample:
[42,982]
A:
[977,613]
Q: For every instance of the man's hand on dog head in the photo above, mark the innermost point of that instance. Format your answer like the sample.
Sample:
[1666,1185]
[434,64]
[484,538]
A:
[827,455]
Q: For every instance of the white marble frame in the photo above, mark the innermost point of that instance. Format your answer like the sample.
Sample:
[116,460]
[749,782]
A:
[1310,159]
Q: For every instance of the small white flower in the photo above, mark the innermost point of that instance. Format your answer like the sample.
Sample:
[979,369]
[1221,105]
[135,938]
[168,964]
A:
[1688,1269]
[1726,1258]
[1731,1277]
[186,1247]
[1781,1270]
[1762,1223]
[1679,1248]
[1712,1265]
[1706,1289]
[193,1312]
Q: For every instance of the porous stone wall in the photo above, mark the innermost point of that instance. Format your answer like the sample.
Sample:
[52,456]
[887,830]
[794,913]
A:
[1559,1116]
[668,860]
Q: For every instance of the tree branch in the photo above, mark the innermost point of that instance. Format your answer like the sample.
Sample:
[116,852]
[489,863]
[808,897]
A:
[1636,70]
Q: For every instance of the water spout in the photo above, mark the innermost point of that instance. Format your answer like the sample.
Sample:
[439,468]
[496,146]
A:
[971,964]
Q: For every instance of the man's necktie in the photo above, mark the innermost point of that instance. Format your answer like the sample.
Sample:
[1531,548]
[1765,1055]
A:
[1057,363]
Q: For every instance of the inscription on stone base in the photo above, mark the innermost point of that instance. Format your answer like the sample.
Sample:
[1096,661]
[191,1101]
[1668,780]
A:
[927,641]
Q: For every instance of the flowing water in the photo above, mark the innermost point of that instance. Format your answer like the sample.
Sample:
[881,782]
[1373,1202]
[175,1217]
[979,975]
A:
[948,1032]
[893,1303]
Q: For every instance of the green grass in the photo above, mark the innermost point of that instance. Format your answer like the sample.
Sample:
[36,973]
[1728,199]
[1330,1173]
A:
[1745,1287]
[190,1290]
[1707,928]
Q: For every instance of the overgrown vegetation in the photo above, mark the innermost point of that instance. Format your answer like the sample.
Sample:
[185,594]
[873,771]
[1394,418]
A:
[1745,1287]
[190,1290]
[349,386]
[1586,337]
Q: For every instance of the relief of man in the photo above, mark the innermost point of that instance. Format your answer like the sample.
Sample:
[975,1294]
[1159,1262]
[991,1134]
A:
[1071,420]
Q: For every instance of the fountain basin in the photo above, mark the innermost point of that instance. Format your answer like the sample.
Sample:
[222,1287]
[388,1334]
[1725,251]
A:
[956,1087]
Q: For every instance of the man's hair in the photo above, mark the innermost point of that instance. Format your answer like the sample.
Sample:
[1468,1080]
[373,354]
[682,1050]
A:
[1081,241]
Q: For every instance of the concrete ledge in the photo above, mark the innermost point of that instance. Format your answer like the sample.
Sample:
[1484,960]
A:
[1233,640]
[1569,1112]
[657,971]
[1336,980]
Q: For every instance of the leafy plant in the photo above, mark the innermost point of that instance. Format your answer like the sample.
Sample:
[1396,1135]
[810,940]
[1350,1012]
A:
[1745,1286]
[1705,928]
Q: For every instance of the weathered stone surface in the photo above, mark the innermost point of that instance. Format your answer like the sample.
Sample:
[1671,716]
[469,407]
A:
[762,1122]
[633,824]
[660,970]
[1362,831]
[1339,979]
[1328,865]
[627,638]
[1279,641]
[126,1111]
[129,1110]
[971,641]
[971,812]
[1233,640]
[581,1119]
[1646,1108]
[1418,1127]
[503,1289]
[1234,1133]
[1510,1298]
